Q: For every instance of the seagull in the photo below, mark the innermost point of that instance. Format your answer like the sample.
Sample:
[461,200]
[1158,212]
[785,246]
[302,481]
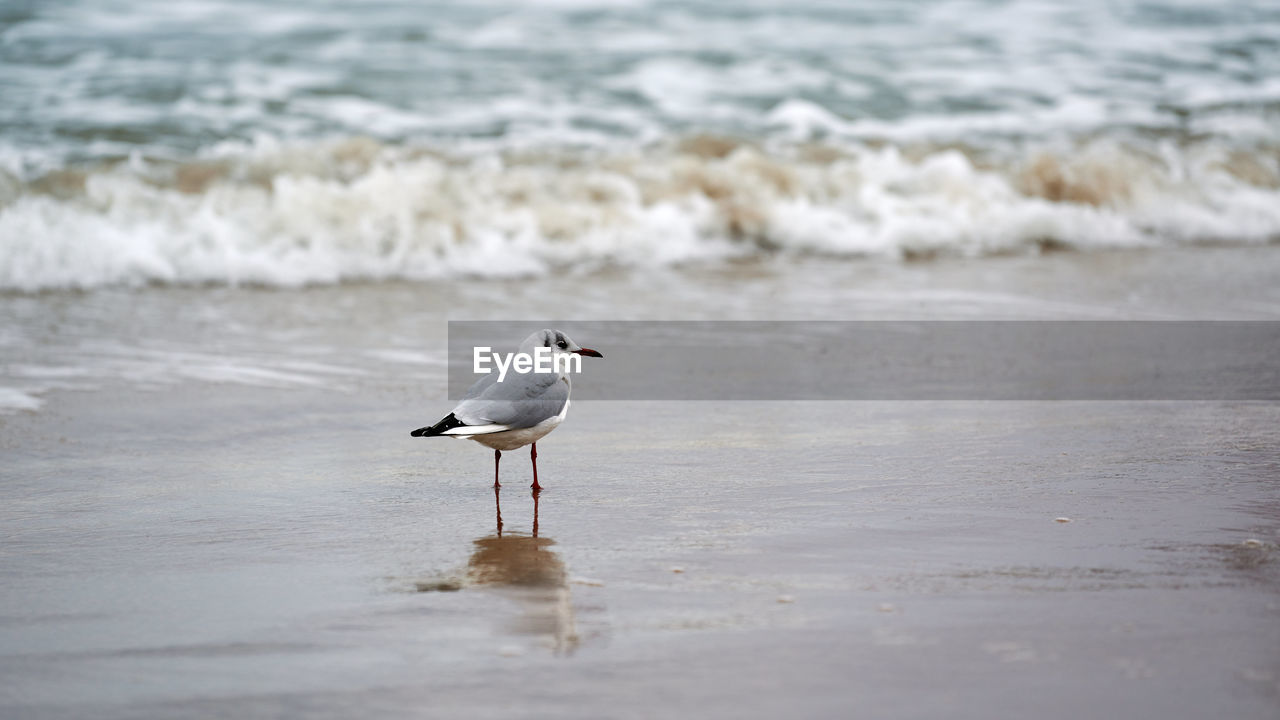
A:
[506,413]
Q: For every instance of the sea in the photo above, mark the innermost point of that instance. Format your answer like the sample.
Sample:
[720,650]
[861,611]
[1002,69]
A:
[310,142]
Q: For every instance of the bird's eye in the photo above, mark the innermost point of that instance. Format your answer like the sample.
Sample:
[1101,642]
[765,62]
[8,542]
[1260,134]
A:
[562,345]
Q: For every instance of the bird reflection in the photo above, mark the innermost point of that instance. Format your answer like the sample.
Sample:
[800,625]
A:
[524,567]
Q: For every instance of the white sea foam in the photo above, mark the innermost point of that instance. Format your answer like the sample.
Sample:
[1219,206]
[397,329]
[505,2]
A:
[323,213]
[14,400]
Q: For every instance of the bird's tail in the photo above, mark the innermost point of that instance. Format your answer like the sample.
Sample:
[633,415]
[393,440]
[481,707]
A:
[439,428]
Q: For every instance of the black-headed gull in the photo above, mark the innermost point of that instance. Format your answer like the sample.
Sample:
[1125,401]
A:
[508,410]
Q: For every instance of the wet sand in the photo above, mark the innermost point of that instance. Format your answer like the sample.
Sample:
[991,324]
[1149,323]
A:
[276,547]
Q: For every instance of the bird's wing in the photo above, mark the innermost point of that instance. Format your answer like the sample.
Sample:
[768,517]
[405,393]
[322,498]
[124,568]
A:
[520,401]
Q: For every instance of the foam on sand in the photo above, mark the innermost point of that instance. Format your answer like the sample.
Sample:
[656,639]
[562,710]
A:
[14,400]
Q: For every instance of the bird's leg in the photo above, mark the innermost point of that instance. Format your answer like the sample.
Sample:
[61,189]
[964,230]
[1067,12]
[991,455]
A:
[497,457]
[533,457]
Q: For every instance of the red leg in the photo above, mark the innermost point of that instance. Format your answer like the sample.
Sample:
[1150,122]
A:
[497,456]
[533,457]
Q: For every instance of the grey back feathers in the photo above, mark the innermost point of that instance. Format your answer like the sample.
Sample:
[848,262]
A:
[521,400]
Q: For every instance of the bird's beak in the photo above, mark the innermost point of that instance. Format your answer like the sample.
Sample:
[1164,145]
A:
[588,352]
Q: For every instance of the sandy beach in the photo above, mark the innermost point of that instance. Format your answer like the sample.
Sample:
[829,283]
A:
[247,530]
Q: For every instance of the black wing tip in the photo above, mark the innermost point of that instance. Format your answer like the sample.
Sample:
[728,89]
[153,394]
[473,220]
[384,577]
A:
[448,423]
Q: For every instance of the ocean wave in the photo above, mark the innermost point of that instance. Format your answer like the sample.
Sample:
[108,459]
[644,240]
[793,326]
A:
[90,82]
[359,209]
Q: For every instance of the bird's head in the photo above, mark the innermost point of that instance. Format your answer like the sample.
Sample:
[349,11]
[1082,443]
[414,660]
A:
[558,342]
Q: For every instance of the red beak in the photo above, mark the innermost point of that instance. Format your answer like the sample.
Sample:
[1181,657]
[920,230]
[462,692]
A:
[588,352]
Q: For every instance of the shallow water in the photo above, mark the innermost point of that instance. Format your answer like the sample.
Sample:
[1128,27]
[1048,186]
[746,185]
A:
[389,339]
[215,508]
